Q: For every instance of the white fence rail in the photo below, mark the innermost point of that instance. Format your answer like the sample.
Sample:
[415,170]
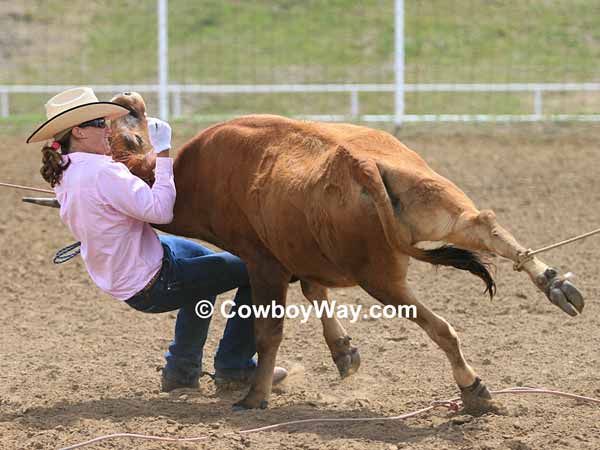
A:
[176,91]
[170,95]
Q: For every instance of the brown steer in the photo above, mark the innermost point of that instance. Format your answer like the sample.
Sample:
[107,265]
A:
[335,205]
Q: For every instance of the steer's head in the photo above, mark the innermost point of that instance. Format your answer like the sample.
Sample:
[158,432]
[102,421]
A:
[130,141]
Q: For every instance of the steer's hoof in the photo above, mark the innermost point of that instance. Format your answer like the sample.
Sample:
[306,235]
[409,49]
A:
[250,402]
[477,399]
[346,357]
[560,291]
[347,362]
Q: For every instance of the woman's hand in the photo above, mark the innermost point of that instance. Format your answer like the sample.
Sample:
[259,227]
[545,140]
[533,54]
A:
[160,136]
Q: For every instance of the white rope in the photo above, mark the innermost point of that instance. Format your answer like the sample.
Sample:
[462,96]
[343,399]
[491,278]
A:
[565,242]
[528,254]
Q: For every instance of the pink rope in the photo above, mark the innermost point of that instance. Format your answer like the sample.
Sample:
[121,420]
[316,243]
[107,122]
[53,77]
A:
[452,404]
[532,390]
[27,188]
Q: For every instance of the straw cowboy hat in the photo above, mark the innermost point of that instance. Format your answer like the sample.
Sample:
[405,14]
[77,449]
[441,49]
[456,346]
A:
[72,107]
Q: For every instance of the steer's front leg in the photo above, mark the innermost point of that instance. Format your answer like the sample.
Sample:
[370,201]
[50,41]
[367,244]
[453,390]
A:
[269,286]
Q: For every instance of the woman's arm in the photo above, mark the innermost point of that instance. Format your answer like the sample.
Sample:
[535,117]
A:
[131,196]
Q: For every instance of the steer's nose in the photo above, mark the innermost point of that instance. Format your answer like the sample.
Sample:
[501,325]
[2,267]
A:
[126,93]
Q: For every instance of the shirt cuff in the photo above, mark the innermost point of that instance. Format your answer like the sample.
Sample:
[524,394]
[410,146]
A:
[164,168]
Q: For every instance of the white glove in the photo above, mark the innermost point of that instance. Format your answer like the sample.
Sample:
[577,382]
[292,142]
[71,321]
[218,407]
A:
[160,134]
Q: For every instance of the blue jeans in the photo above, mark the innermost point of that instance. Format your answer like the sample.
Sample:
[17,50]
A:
[190,273]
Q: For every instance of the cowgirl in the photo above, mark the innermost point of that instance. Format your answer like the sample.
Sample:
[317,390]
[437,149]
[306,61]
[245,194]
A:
[110,211]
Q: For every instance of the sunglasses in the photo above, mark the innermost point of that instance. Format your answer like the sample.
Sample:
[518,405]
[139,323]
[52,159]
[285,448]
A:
[97,123]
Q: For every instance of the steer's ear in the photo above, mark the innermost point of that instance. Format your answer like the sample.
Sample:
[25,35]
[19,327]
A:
[134,113]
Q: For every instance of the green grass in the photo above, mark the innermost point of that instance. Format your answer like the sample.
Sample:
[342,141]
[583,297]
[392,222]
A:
[313,41]
[504,41]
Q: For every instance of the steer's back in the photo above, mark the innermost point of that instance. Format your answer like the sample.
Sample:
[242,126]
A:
[289,189]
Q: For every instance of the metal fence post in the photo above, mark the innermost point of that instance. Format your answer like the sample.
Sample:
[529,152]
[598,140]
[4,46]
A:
[399,62]
[163,60]
[4,105]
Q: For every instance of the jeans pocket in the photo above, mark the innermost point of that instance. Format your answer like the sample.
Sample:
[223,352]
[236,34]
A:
[168,277]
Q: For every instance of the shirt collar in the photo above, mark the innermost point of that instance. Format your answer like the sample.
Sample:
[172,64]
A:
[83,156]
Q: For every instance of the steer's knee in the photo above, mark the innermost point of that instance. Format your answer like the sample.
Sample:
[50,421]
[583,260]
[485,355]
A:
[445,336]
[268,335]
[487,217]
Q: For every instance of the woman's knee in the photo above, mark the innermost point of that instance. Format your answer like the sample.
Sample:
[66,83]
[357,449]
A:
[233,266]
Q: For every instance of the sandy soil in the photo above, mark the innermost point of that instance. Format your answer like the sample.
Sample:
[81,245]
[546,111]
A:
[78,364]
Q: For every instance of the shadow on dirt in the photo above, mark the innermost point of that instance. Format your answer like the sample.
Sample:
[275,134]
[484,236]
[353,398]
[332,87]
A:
[219,418]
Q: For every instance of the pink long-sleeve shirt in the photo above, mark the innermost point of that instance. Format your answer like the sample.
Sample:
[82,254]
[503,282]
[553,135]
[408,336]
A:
[110,210]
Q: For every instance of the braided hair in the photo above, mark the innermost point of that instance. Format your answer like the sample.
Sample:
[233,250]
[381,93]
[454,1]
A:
[52,164]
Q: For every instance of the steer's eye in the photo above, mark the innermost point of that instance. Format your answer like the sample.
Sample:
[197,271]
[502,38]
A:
[126,93]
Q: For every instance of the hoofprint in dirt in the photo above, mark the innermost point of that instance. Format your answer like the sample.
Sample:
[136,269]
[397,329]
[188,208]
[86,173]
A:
[78,364]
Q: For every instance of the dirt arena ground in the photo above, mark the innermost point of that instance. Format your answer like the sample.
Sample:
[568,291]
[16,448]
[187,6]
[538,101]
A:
[78,364]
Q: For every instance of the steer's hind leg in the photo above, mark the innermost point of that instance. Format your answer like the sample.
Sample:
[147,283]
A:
[345,356]
[480,231]
[269,282]
[390,288]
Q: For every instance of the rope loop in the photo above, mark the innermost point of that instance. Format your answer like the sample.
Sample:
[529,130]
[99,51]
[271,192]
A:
[522,258]
[67,253]
[452,405]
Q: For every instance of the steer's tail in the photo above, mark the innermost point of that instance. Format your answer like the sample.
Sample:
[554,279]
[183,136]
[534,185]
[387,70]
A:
[473,262]
[369,175]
